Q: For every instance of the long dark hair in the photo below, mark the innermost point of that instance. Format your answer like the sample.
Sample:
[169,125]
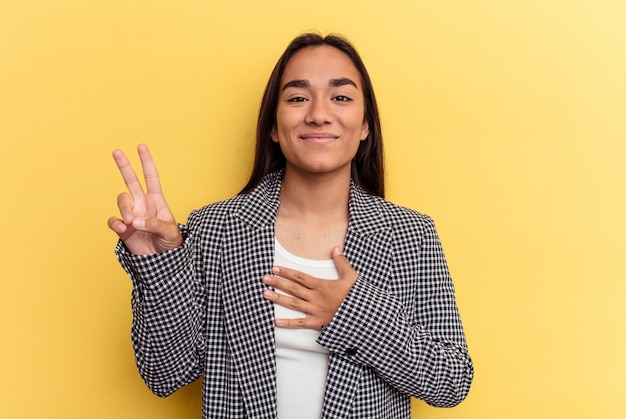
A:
[368,163]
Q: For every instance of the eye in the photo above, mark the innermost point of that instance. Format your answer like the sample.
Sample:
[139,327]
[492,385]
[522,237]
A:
[296,99]
[342,98]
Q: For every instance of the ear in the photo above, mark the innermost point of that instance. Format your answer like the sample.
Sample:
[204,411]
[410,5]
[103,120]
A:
[274,134]
[365,130]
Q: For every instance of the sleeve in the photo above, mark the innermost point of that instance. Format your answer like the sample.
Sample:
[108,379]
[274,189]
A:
[168,316]
[423,353]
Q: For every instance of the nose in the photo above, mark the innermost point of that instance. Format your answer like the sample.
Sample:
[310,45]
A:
[319,112]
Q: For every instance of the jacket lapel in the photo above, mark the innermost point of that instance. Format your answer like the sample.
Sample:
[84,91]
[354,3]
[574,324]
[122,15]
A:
[249,319]
[368,248]
[368,245]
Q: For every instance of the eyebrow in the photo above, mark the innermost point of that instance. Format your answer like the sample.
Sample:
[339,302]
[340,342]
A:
[342,81]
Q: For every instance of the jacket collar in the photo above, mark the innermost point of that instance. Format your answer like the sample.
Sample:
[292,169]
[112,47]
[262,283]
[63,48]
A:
[259,209]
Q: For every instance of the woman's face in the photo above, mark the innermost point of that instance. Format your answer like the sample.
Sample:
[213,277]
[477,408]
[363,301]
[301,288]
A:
[320,117]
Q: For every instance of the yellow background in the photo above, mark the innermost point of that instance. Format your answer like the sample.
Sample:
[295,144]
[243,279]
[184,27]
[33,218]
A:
[504,120]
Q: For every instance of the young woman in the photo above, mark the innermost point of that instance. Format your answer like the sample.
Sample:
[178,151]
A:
[307,295]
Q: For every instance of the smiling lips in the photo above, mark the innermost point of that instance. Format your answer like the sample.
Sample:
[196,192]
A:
[319,137]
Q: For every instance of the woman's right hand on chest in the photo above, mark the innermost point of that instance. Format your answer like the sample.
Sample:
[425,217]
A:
[146,224]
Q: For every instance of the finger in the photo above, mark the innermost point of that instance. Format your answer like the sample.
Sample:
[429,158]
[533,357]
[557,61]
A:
[117,226]
[285,301]
[294,276]
[344,269]
[130,178]
[287,286]
[302,323]
[150,173]
[125,204]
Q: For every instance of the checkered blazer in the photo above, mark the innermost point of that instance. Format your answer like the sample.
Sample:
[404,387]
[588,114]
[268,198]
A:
[199,310]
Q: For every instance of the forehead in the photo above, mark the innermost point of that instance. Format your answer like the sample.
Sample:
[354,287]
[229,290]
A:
[320,63]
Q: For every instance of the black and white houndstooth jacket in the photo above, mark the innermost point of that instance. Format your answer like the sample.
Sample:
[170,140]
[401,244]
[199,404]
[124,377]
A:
[199,310]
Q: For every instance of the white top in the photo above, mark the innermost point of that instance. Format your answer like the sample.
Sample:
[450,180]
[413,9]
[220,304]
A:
[301,363]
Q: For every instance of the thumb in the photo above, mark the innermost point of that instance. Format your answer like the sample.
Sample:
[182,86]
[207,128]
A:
[344,269]
[168,231]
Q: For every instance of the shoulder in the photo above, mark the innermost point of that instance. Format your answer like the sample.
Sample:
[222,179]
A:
[256,207]
[225,206]
[395,216]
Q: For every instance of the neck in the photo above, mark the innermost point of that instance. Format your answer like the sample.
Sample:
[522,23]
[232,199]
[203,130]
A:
[315,195]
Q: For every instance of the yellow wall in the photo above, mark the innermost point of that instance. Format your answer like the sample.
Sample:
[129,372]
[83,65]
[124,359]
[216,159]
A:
[504,120]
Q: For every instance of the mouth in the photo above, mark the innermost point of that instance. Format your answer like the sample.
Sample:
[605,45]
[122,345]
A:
[319,137]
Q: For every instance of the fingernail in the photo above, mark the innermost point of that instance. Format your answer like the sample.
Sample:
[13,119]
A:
[128,218]
[268,293]
[337,251]
[139,222]
[267,279]
[275,269]
[281,322]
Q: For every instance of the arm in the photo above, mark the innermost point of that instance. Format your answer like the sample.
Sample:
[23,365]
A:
[168,304]
[421,352]
[167,299]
